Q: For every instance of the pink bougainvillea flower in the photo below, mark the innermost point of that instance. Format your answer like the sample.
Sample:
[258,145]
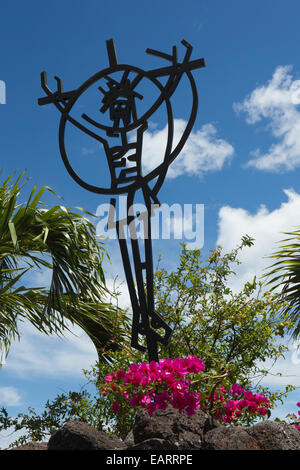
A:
[144,368]
[167,383]
[161,400]
[110,377]
[144,381]
[262,411]
[230,407]
[192,403]
[248,395]
[145,399]
[116,406]
[178,401]
[236,390]
[252,406]
[242,404]
[134,401]
[120,374]
[260,398]
[218,414]
[195,365]
[152,407]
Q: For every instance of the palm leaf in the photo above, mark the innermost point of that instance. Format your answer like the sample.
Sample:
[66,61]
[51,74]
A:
[284,275]
[57,238]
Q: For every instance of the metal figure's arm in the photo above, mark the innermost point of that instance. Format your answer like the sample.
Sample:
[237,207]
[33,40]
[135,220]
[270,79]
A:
[175,73]
[60,100]
[176,67]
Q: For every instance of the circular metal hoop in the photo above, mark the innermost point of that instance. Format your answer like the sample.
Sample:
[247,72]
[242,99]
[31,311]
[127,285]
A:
[65,117]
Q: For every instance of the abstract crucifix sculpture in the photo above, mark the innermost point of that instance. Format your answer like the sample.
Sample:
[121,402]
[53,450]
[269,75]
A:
[119,105]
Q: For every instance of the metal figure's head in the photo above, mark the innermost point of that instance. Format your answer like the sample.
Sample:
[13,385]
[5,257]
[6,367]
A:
[119,99]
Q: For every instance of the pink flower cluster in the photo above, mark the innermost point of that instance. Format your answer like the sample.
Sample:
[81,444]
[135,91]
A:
[156,385]
[230,405]
[297,418]
[168,382]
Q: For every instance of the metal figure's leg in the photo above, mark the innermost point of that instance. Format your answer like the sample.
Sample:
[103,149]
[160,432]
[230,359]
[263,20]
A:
[145,320]
[156,320]
[139,266]
[137,326]
[146,297]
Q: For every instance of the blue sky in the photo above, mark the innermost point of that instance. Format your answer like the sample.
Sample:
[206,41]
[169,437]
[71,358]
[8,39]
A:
[242,160]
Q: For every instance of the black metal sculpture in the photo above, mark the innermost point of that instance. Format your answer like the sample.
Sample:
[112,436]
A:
[119,100]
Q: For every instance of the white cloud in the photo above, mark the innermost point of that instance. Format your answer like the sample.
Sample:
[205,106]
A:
[9,396]
[50,356]
[203,151]
[264,225]
[10,436]
[276,102]
[87,151]
[119,286]
[283,372]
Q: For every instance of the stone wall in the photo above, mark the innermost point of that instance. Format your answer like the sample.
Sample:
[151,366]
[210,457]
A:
[170,430]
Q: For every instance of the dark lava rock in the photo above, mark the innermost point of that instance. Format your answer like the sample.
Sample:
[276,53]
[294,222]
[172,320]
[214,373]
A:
[177,428]
[32,446]
[223,438]
[76,435]
[129,439]
[154,444]
[272,435]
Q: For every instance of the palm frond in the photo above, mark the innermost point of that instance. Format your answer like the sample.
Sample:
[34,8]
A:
[284,275]
[62,240]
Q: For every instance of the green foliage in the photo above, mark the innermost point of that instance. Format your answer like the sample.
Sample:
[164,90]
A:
[121,423]
[233,332]
[33,235]
[285,276]
[75,405]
